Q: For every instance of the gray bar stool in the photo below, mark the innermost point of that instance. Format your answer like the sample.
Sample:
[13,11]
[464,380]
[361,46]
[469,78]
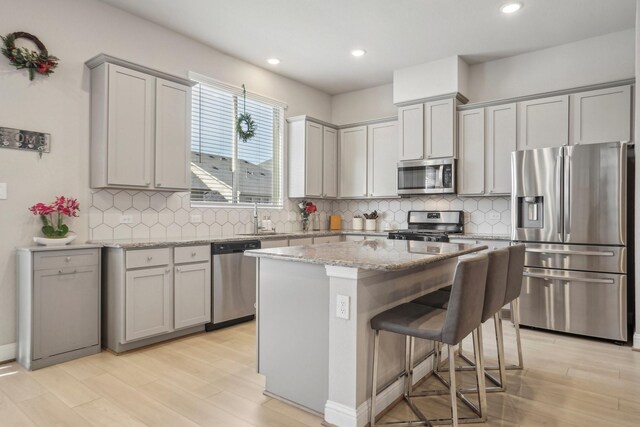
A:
[493,301]
[512,295]
[449,326]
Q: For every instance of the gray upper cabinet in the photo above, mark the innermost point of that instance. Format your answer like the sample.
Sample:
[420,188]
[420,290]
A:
[312,158]
[543,122]
[148,302]
[486,139]
[383,158]
[58,305]
[173,135]
[353,162]
[601,116]
[140,127]
[499,144]
[439,129]
[472,151]
[411,131]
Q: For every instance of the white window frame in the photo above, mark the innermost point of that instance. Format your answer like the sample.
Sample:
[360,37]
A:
[238,91]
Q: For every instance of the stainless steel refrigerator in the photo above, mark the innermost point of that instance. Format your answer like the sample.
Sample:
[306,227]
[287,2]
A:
[569,206]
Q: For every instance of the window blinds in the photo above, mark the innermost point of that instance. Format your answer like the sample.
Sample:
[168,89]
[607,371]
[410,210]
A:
[226,170]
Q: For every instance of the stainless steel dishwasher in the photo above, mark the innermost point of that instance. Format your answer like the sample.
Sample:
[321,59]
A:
[233,296]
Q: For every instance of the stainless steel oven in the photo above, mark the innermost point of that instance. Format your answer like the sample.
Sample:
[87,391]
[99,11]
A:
[427,176]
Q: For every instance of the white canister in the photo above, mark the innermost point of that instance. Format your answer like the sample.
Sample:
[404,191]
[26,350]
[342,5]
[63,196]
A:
[357,223]
[370,224]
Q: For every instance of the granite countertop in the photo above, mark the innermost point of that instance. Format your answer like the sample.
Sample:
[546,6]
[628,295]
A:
[382,255]
[188,241]
[481,236]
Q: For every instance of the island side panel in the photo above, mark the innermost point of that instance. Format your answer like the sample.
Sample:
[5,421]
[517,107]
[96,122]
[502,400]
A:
[293,337]
[351,341]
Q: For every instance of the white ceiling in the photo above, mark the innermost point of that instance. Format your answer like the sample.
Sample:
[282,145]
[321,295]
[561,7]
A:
[313,38]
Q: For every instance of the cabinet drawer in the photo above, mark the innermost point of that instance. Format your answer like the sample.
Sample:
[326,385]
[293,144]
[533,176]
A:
[148,257]
[186,254]
[65,259]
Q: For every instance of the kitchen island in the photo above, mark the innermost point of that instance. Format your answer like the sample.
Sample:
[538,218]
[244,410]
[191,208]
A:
[315,359]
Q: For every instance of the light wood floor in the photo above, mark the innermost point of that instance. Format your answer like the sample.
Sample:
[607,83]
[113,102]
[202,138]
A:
[209,380]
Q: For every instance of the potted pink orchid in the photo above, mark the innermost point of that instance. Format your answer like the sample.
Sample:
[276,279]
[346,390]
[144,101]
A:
[52,216]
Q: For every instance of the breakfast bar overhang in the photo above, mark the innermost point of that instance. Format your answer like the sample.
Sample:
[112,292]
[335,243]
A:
[321,362]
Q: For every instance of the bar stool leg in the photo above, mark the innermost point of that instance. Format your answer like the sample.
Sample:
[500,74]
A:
[452,386]
[374,378]
[515,312]
[480,382]
[500,343]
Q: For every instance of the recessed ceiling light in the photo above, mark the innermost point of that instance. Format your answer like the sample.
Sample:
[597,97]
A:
[511,7]
[273,61]
[358,52]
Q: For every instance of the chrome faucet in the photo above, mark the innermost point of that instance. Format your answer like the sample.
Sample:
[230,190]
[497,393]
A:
[256,229]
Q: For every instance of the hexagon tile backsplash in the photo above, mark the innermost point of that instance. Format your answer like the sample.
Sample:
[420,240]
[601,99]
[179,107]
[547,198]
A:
[159,215]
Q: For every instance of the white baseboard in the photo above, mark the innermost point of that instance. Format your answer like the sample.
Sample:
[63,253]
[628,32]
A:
[636,341]
[344,416]
[7,352]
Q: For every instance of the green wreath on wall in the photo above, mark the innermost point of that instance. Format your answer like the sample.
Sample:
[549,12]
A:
[245,126]
[22,58]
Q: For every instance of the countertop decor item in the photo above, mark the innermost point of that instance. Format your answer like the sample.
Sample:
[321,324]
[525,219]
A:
[22,58]
[371,221]
[357,223]
[335,222]
[52,216]
[245,126]
[306,209]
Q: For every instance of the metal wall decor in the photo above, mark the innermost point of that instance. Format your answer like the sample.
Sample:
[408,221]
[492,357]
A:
[25,140]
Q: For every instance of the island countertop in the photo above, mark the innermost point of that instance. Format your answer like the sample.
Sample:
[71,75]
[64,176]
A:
[381,255]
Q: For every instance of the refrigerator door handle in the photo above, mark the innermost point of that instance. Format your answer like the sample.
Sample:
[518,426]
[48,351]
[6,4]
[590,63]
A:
[569,252]
[559,194]
[567,195]
[568,278]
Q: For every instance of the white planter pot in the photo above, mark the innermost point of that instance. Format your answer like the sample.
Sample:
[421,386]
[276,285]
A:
[357,223]
[371,224]
[45,241]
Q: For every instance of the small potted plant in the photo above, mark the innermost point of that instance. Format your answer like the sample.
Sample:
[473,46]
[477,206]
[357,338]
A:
[371,221]
[357,223]
[52,215]
[306,209]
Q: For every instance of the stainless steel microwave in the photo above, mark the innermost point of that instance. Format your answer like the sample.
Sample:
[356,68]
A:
[427,176]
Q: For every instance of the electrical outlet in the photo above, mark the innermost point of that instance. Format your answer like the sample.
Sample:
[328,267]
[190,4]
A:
[126,219]
[196,219]
[493,215]
[342,307]
[3,191]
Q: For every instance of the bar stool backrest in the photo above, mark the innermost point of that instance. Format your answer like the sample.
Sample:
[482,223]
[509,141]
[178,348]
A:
[496,282]
[466,301]
[514,276]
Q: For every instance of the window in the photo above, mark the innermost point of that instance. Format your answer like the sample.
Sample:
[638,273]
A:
[224,169]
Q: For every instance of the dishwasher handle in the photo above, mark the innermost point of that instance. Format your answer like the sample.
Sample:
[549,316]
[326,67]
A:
[234,247]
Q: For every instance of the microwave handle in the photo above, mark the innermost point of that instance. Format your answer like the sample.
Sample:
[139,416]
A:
[439,181]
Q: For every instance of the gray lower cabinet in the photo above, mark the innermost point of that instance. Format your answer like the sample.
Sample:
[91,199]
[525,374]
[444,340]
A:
[192,295]
[155,294]
[148,302]
[58,304]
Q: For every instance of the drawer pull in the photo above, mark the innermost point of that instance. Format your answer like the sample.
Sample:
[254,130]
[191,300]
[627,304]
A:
[193,254]
[149,258]
[68,272]
[168,270]
[68,259]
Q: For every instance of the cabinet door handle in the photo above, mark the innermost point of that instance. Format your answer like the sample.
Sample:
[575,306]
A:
[148,183]
[168,270]
[68,259]
[158,184]
[178,269]
[68,272]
